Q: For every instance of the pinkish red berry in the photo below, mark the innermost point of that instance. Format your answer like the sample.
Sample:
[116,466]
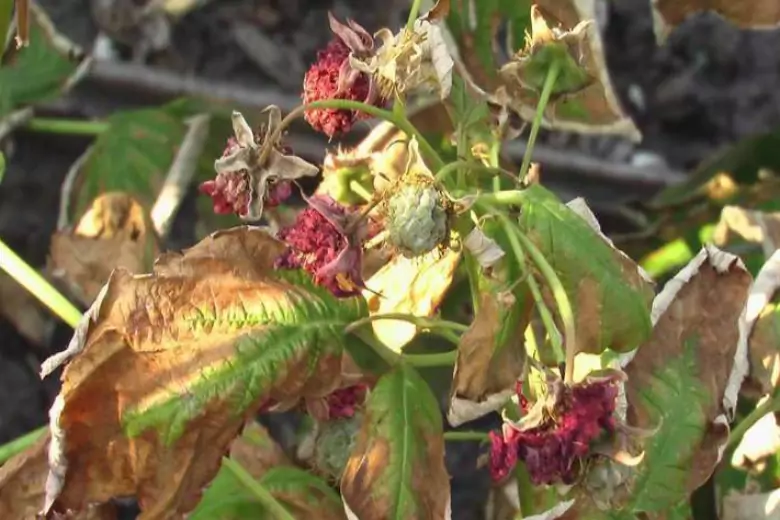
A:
[344,402]
[554,450]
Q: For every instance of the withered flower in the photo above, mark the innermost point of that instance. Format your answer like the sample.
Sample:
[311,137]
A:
[245,183]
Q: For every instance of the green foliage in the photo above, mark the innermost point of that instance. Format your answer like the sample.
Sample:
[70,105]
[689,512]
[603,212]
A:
[35,73]
[611,302]
[310,322]
[2,167]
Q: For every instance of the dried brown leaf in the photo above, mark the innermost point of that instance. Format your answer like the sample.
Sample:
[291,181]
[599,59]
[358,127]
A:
[759,14]
[414,286]
[151,337]
[593,108]
[22,483]
[487,371]
[257,451]
[113,233]
[752,226]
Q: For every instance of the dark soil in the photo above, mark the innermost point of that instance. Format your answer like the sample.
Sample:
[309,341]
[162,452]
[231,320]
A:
[709,86]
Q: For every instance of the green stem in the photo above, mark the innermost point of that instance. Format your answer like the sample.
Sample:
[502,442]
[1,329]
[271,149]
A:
[466,436]
[502,198]
[20,444]
[771,405]
[6,11]
[440,359]
[472,166]
[549,83]
[260,493]
[361,192]
[424,323]
[495,152]
[414,12]
[402,123]
[66,126]
[561,300]
[29,278]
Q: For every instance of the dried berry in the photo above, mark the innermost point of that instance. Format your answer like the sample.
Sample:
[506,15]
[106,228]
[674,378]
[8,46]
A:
[326,241]
[332,77]
[554,449]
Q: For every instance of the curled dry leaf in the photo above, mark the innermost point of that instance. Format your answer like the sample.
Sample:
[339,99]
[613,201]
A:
[414,286]
[758,14]
[115,232]
[396,469]
[192,348]
[762,326]
[752,226]
[22,480]
[684,380]
[584,99]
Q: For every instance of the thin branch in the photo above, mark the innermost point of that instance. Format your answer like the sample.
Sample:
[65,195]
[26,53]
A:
[66,191]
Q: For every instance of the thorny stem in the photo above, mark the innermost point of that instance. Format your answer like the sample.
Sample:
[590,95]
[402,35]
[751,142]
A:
[547,88]
[20,444]
[561,300]
[66,126]
[29,278]
[402,123]
[263,496]
[413,14]
[466,436]
[771,405]
[473,166]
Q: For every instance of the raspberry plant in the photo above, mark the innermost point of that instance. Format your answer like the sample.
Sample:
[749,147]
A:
[615,401]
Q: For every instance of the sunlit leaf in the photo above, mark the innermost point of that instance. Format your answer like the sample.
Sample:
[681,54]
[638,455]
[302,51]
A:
[609,295]
[738,506]
[192,349]
[396,470]
[414,286]
[684,380]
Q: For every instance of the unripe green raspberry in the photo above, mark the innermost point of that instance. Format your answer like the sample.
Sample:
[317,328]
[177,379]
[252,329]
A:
[334,444]
[417,217]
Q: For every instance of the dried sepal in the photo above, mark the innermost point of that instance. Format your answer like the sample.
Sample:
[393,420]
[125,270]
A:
[409,60]
[250,175]
[583,98]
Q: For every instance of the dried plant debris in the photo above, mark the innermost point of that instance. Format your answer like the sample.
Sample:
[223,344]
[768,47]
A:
[749,225]
[757,14]
[583,98]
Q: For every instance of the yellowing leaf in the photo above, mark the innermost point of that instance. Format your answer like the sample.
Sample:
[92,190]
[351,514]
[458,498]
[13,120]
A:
[667,14]
[411,286]
[583,102]
[113,233]
[762,327]
[752,226]
[192,349]
[396,470]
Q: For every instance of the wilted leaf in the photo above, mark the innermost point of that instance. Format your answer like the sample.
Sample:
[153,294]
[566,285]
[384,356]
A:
[40,71]
[131,156]
[192,349]
[411,286]
[609,294]
[762,326]
[114,233]
[684,380]
[22,483]
[757,14]
[583,102]
[753,226]
[396,471]
[303,495]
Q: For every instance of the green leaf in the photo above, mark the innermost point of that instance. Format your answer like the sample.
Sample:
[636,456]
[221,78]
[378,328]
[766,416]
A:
[133,156]
[610,298]
[6,13]
[34,73]
[680,380]
[396,470]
